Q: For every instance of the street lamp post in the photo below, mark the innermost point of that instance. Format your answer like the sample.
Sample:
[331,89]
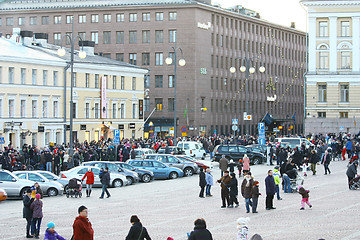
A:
[82,54]
[247,67]
[182,63]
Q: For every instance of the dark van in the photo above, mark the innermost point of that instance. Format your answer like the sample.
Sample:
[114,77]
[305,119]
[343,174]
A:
[236,152]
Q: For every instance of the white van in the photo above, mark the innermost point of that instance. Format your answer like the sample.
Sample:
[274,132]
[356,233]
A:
[193,149]
[292,142]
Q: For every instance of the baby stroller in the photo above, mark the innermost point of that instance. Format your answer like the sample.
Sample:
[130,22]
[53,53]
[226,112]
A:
[295,183]
[355,183]
[74,188]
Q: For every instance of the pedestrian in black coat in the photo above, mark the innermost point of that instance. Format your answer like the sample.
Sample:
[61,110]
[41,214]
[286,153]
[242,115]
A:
[137,230]
[233,191]
[200,232]
[352,171]
[105,181]
[326,161]
[27,212]
[270,190]
[202,182]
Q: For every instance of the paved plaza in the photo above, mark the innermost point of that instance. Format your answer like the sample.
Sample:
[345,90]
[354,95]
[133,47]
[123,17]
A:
[169,208]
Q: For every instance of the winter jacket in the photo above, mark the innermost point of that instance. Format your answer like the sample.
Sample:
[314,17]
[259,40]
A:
[209,179]
[270,185]
[246,190]
[255,193]
[291,173]
[223,164]
[135,231]
[326,159]
[304,193]
[105,178]
[234,186]
[246,164]
[202,180]
[314,158]
[225,181]
[27,212]
[52,235]
[89,177]
[232,166]
[82,229]
[351,171]
[276,176]
[200,233]
[36,207]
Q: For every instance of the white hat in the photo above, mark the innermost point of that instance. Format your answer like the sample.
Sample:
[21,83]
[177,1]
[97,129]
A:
[241,222]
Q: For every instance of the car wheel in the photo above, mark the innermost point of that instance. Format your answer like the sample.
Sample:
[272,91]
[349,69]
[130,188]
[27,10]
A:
[146,178]
[66,188]
[23,192]
[188,172]
[256,161]
[173,175]
[203,157]
[51,192]
[80,194]
[130,180]
[117,183]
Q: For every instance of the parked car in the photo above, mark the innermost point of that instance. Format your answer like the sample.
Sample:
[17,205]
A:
[3,195]
[293,142]
[131,176]
[171,150]
[141,152]
[189,168]
[144,175]
[52,177]
[258,148]
[13,185]
[193,149]
[49,188]
[116,180]
[160,170]
[201,163]
[236,152]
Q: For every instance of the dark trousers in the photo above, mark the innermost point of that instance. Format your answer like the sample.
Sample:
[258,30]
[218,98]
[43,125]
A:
[56,169]
[104,190]
[269,201]
[225,197]
[254,204]
[233,198]
[35,228]
[28,226]
[201,194]
[349,179]
[326,166]
[207,190]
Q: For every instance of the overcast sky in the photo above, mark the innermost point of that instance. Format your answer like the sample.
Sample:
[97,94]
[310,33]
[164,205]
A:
[282,12]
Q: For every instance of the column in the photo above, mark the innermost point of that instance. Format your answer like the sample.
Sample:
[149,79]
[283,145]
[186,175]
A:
[312,44]
[356,44]
[333,44]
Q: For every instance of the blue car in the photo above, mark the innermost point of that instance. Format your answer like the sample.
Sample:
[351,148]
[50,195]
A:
[159,169]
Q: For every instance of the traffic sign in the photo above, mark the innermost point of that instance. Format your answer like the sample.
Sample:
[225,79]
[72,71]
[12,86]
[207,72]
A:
[116,140]
[342,128]
[234,128]
[183,129]
[2,140]
[235,122]
[261,127]
[247,117]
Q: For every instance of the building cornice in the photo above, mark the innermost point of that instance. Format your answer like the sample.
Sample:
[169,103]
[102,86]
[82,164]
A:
[336,3]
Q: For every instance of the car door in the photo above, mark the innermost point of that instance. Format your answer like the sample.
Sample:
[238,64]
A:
[160,169]
[96,172]
[234,153]
[162,158]
[80,173]
[7,183]
[175,162]
[242,151]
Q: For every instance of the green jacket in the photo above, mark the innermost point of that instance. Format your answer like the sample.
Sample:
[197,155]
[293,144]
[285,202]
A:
[276,176]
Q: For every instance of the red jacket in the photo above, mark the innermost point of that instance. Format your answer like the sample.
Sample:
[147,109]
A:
[82,229]
[89,177]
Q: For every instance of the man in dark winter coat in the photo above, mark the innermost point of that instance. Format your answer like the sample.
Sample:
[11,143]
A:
[270,190]
[224,182]
[202,182]
[233,191]
[137,230]
[326,161]
[27,212]
[105,181]
[352,171]
[223,164]
[200,232]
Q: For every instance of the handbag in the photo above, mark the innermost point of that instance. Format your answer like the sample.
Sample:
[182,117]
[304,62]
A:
[142,228]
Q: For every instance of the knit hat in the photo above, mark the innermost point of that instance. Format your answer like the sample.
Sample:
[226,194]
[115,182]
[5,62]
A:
[241,222]
[300,187]
[50,225]
[256,183]
[37,196]
[28,191]
[276,167]
[33,188]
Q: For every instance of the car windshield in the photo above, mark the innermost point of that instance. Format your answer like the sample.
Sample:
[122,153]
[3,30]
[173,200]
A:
[48,176]
[127,166]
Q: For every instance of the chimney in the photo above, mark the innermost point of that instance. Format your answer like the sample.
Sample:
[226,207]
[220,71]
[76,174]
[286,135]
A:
[88,47]
[41,39]
[292,25]
[26,37]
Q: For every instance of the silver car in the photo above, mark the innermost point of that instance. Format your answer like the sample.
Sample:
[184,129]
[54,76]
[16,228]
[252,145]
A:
[52,177]
[188,168]
[13,185]
[116,180]
[48,187]
[140,153]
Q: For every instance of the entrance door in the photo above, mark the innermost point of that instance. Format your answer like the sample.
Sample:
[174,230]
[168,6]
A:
[75,136]
[96,136]
[87,136]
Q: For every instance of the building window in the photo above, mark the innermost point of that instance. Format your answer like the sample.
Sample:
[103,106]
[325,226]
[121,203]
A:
[159,36]
[97,110]
[45,20]
[172,36]
[74,79]
[321,114]
[171,104]
[94,18]
[23,108]
[147,105]
[345,60]
[158,81]
[323,60]
[57,38]
[146,36]
[158,104]
[57,19]
[9,21]
[323,29]
[55,109]
[134,110]
[69,20]
[45,76]
[114,110]
[146,17]
[120,17]
[159,16]
[344,93]
[55,78]
[120,37]
[87,80]
[172,16]
[23,75]
[122,111]
[95,37]
[34,109]
[159,59]
[114,82]
[11,75]
[171,81]
[345,28]
[82,36]
[146,81]
[45,109]
[96,80]
[34,76]
[120,57]
[322,93]
[68,40]
[132,36]
[11,108]
[107,37]
[344,115]
[21,21]
[87,110]
[133,17]
[134,83]
[122,83]
[146,59]
[107,18]
[172,56]
[0,74]
[82,18]
[132,58]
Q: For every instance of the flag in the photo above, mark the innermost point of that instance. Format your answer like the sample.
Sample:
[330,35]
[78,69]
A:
[267,118]
[215,133]
[294,117]
[185,112]
[355,122]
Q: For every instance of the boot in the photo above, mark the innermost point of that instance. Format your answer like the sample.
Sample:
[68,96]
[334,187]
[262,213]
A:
[90,192]
[87,193]
[37,234]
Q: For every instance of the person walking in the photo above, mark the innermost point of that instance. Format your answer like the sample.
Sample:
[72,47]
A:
[246,187]
[89,175]
[48,160]
[314,159]
[105,181]
[276,176]
[209,182]
[202,183]
[27,212]
[233,191]
[270,190]
[82,228]
[36,206]
[352,171]
[223,164]
[224,183]
[305,197]
[255,193]
[326,161]
[231,166]
[137,230]
[246,164]
[57,161]
[200,232]
[51,234]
